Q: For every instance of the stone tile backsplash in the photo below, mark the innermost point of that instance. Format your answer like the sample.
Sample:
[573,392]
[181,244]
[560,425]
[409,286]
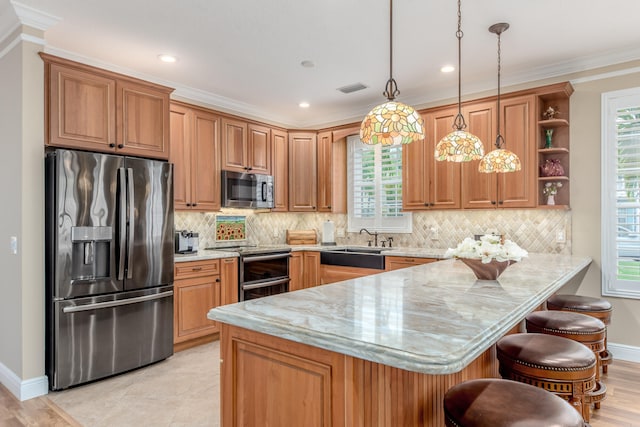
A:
[536,230]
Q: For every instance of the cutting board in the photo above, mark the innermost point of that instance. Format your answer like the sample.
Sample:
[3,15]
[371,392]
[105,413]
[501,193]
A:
[301,237]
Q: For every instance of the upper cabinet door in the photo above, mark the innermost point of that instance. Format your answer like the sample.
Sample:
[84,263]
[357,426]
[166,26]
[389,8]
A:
[259,149]
[180,155]
[143,120]
[302,172]
[444,177]
[280,170]
[205,171]
[234,145]
[81,109]
[415,177]
[325,169]
[519,189]
[479,189]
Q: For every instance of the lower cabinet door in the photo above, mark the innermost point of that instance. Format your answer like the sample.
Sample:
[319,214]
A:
[193,299]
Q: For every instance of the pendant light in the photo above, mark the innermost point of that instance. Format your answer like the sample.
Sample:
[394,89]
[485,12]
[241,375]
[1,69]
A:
[459,145]
[499,160]
[392,122]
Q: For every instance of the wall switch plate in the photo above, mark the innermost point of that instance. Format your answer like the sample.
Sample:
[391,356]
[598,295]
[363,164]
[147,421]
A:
[13,245]
[560,236]
[434,233]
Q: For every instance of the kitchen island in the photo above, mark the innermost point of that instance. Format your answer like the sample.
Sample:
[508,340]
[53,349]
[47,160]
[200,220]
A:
[380,350]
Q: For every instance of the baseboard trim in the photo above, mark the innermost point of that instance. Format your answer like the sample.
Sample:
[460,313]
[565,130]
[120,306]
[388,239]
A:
[624,352]
[23,389]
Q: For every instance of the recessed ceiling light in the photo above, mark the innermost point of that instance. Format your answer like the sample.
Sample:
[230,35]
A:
[167,58]
[307,63]
[447,69]
[303,104]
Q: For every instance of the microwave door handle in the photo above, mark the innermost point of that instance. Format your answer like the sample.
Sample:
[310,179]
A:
[122,194]
[264,191]
[130,222]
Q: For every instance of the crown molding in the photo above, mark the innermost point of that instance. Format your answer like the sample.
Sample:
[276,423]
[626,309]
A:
[34,18]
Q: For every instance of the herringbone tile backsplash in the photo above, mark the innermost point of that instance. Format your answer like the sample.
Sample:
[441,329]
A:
[534,230]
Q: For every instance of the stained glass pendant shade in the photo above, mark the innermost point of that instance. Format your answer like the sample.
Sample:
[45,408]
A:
[499,160]
[391,123]
[459,145]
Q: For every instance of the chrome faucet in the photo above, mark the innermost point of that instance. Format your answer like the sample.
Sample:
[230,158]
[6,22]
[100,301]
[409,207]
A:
[374,234]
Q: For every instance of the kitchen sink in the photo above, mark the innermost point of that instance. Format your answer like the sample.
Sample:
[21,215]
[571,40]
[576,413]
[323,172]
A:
[354,257]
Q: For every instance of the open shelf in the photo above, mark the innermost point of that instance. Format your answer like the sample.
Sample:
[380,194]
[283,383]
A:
[554,178]
[553,123]
[553,150]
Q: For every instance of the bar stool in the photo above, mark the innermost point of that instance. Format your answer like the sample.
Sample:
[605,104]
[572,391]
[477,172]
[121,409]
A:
[559,365]
[595,307]
[584,329]
[503,403]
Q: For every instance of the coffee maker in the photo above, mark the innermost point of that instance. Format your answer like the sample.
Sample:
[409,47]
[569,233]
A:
[186,242]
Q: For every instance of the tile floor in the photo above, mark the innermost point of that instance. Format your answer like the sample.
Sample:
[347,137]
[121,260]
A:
[180,391]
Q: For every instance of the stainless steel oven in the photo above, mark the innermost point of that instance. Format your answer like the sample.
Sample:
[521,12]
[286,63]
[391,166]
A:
[263,273]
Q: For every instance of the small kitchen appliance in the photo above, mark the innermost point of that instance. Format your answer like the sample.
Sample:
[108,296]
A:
[186,242]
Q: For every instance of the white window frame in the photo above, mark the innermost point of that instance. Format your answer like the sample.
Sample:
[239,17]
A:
[379,223]
[611,284]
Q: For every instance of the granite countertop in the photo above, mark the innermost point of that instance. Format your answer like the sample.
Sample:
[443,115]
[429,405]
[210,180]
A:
[434,318]
[405,252]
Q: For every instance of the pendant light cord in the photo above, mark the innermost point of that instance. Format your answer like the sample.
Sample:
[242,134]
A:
[391,89]
[459,123]
[499,138]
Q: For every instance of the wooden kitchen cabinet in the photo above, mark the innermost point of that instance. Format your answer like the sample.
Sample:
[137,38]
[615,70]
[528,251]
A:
[200,286]
[304,270]
[246,147]
[332,173]
[427,183]
[194,153]
[280,170]
[197,289]
[508,190]
[398,262]
[94,109]
[302,172]
[337,273]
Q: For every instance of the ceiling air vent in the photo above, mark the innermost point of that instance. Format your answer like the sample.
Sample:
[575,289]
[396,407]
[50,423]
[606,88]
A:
[352,88]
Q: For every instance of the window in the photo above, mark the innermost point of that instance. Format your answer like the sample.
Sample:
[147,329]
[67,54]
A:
[375,188]
[621,193]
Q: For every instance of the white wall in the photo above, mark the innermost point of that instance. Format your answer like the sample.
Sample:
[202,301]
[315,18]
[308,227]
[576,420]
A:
[22,214]
[585,196]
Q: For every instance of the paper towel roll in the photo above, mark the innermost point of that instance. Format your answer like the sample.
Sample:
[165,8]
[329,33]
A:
[327,233]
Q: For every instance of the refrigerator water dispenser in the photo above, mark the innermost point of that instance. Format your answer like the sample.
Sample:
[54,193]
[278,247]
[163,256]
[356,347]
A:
[90,252]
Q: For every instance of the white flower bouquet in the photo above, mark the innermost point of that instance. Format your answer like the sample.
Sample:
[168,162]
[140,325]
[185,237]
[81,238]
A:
[488,248]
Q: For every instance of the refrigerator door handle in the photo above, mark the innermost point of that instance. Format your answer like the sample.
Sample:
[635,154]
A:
[108,304]
[130,222]
[122,187]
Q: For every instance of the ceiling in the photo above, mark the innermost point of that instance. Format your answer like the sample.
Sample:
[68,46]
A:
[244,56]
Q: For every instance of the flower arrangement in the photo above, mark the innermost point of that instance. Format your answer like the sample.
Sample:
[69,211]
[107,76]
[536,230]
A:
[488,248]
[551,188]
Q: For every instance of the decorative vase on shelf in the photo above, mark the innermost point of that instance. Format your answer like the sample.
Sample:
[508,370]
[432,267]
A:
[548,134]
[489,271]
[551,167]
[551,200]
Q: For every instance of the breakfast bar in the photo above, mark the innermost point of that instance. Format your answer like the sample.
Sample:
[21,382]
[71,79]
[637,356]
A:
[380,350]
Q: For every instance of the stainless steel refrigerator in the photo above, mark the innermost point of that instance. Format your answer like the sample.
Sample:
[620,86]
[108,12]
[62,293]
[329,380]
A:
[109,265]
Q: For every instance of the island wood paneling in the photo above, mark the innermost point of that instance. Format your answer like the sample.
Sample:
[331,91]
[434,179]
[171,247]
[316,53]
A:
[267,380]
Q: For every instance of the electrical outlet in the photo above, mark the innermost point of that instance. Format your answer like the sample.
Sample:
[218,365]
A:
[275,234]
[13,245]
[560,236]
[434,233]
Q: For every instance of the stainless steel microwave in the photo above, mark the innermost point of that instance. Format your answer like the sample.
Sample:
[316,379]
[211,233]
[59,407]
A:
[247,190]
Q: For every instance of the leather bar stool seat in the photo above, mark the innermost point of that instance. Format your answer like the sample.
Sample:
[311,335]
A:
[579,327]
[591,306]
[556,364]
[503,403]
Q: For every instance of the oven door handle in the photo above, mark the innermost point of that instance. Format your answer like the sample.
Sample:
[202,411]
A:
[248,259]
[265,284]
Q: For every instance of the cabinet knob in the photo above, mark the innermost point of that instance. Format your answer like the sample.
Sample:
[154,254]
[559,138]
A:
[188,204]
[329,207]
[120,145]
[194,204]
[432,204]
[493,202]
[501,202]
[112,145]
[218,280]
